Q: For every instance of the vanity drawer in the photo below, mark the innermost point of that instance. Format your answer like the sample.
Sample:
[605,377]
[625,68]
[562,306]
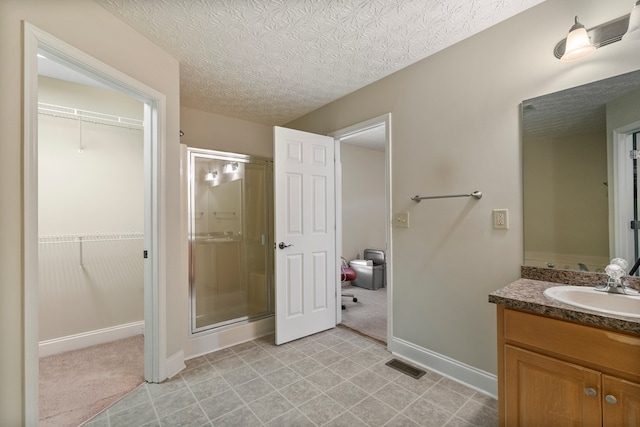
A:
[609,351]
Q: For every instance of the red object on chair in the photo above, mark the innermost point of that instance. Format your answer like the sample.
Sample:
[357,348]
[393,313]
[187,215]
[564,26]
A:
[347,274]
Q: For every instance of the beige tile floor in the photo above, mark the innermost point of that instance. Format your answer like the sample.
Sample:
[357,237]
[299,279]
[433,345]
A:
[334,378]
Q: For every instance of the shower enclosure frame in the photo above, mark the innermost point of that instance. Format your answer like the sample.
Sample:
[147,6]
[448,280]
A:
[199,153]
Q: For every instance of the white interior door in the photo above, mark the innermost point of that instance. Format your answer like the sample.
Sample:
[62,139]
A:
[306,271]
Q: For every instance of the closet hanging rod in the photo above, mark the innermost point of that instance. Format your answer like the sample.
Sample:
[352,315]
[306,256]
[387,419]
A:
[476,195]
[88,116]
[44,240]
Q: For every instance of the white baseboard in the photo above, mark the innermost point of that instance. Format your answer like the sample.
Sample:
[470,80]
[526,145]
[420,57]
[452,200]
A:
[88,339]
[206,342]
[175,364]
[477,379]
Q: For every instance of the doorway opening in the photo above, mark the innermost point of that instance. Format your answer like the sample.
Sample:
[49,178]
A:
[38,43]
[90,238]
[364,232]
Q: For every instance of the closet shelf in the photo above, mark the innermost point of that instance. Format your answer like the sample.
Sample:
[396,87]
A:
[77,238]
[89,116]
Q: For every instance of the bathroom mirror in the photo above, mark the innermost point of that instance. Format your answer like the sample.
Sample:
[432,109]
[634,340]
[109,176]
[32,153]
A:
[574,189]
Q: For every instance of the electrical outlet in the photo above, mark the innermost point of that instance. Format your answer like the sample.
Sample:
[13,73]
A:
[402,219]
[501,219]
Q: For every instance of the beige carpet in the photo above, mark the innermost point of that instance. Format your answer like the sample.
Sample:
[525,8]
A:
[76,385]
[367,316]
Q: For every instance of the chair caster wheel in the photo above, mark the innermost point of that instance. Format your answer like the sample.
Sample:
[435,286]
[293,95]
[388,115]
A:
[355,299]
[343,307]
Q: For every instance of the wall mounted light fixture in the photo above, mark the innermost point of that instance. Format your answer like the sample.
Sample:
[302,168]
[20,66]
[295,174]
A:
[231,167]
[211,176]
[577,43]
[633,30]
[581,42]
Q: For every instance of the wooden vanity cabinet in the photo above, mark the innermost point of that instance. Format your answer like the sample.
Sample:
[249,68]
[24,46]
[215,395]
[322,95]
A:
[558,373]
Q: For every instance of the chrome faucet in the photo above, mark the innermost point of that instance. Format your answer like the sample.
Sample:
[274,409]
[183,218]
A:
[619,287]
[614,284]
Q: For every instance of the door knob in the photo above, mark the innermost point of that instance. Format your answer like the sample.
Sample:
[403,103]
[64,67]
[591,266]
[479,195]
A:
[590,391]
[611,399]
[283,245]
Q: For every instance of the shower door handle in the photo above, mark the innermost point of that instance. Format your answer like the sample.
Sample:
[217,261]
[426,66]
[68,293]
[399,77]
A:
[283,245]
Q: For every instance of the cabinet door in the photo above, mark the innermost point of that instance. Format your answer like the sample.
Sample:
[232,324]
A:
[621,402]
[542,391]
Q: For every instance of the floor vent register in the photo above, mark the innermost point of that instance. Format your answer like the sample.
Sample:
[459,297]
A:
[405,368]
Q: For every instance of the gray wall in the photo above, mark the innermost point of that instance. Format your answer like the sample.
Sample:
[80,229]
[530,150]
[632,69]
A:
[456,128]
[215,132]
[565,196]
[363,205]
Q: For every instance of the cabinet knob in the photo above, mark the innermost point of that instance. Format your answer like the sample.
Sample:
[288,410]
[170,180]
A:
[611,399]
[590,391]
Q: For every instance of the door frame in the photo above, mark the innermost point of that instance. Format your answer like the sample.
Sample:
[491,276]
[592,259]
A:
[385,120]
[35,40]
[621,193]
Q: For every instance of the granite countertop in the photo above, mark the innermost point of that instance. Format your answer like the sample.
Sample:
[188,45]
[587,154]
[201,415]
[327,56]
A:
[527,295]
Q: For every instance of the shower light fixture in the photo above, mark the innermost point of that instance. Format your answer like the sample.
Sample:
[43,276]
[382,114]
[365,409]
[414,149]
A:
[633,30]
[581,42]
[231,167]
[211,176]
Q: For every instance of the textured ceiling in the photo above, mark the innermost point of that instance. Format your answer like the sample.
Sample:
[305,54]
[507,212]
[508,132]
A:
[575,111]
[271,61]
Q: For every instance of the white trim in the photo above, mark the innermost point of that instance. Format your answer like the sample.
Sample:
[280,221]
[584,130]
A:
[88,339]
[30,209]
[361,126]
[622,190]
[174,364]
[621,194]
[338,206]
[217,339]
[338,135]
[477,379]
[155,286]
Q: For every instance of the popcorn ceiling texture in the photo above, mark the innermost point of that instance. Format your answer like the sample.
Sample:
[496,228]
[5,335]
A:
[271,61]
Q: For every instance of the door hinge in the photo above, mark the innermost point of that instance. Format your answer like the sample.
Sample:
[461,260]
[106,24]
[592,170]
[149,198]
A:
[145,254]
[634,154]
[635,225]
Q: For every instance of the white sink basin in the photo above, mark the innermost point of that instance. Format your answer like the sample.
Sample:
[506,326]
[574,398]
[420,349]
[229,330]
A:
[589,298]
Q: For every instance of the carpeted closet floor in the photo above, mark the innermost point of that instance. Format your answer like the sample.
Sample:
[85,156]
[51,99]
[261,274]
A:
[76,385]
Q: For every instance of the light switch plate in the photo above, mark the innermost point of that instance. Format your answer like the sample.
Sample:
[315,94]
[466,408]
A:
[501,219]
[401,219]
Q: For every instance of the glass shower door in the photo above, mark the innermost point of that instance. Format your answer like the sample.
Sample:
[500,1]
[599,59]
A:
[229,238]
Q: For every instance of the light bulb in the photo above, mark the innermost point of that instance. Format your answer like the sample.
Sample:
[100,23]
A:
[578,44]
